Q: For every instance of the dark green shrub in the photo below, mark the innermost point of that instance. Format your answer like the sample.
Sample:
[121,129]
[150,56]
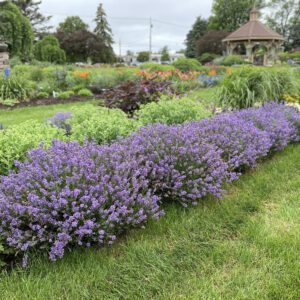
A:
[231,60]
[187,64]
[207,58]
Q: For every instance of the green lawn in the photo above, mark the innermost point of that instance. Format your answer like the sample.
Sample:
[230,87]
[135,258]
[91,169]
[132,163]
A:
[245,246]
[10,117]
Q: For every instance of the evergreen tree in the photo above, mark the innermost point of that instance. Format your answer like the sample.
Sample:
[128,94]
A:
[30,9]
[165,56]
[198,30]
[104,32]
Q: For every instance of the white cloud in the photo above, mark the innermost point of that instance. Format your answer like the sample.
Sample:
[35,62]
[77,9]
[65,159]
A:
[129,19]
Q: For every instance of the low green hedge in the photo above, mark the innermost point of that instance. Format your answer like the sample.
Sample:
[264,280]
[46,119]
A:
[17,140]
[100,124]
[171,111]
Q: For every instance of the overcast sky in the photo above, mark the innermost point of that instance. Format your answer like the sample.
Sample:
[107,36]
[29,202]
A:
[129,19]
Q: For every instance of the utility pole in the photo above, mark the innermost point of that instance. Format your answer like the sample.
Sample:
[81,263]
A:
[120,50]
[150,40]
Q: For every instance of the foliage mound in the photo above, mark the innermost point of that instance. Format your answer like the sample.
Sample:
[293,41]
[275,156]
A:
[17,140]
[186,64]
[130,95]
[171,111]
[98,124]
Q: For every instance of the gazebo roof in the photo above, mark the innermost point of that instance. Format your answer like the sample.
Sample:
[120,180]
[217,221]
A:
[254,30]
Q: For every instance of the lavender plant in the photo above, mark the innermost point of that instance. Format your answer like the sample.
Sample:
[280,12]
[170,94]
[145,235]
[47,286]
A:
[86,195]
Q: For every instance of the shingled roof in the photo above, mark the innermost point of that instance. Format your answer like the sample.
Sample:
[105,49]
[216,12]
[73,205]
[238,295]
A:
[253,30]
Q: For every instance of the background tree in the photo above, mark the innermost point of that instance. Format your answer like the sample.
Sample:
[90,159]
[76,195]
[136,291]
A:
[230,15]
[285,19]
[48,49]
[198,30]
[104,33]
[294,36]
[143,56]
[30,9]
[81,46]
[72,24]
[16,31]
[211,42]
[165,56]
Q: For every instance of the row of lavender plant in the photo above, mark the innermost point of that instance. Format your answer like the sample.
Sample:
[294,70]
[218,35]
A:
[87,195]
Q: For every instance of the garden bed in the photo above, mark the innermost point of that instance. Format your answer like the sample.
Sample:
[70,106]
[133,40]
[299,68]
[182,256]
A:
[50,101]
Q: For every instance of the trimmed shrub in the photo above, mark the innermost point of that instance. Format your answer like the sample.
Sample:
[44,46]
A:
[85,93]
[171,111]
[207,58]
[17,140]
[154,67]
[231,60]
[187,64]
[99,124]
[65,95]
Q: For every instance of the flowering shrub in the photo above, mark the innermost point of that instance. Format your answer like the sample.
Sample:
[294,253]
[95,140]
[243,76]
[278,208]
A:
[180,166]
[271,118]
[73,195]
[60,120]
[240,143]
[87,195]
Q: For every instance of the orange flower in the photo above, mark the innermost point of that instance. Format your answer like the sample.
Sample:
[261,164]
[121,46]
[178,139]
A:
[212,72]
[84,75]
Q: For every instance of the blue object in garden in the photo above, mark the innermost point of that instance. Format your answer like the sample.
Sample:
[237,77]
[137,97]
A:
[6,72]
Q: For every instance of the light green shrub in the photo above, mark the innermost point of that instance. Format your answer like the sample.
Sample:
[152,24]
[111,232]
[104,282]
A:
[17,140]
[231,60]
[65,95]
[171,111]
[156,67]
[99,124]
[85,93]
[187,64]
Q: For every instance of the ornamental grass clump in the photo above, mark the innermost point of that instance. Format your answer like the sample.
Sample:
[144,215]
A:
[74,195]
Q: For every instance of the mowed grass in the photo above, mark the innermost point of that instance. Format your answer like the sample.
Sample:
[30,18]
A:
[41,113]
[245,246]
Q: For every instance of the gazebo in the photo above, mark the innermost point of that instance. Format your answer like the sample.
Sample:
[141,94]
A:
[255,41]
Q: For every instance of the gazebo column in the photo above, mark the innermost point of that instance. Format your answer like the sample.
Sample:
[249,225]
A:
[230,48]
[249,51]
